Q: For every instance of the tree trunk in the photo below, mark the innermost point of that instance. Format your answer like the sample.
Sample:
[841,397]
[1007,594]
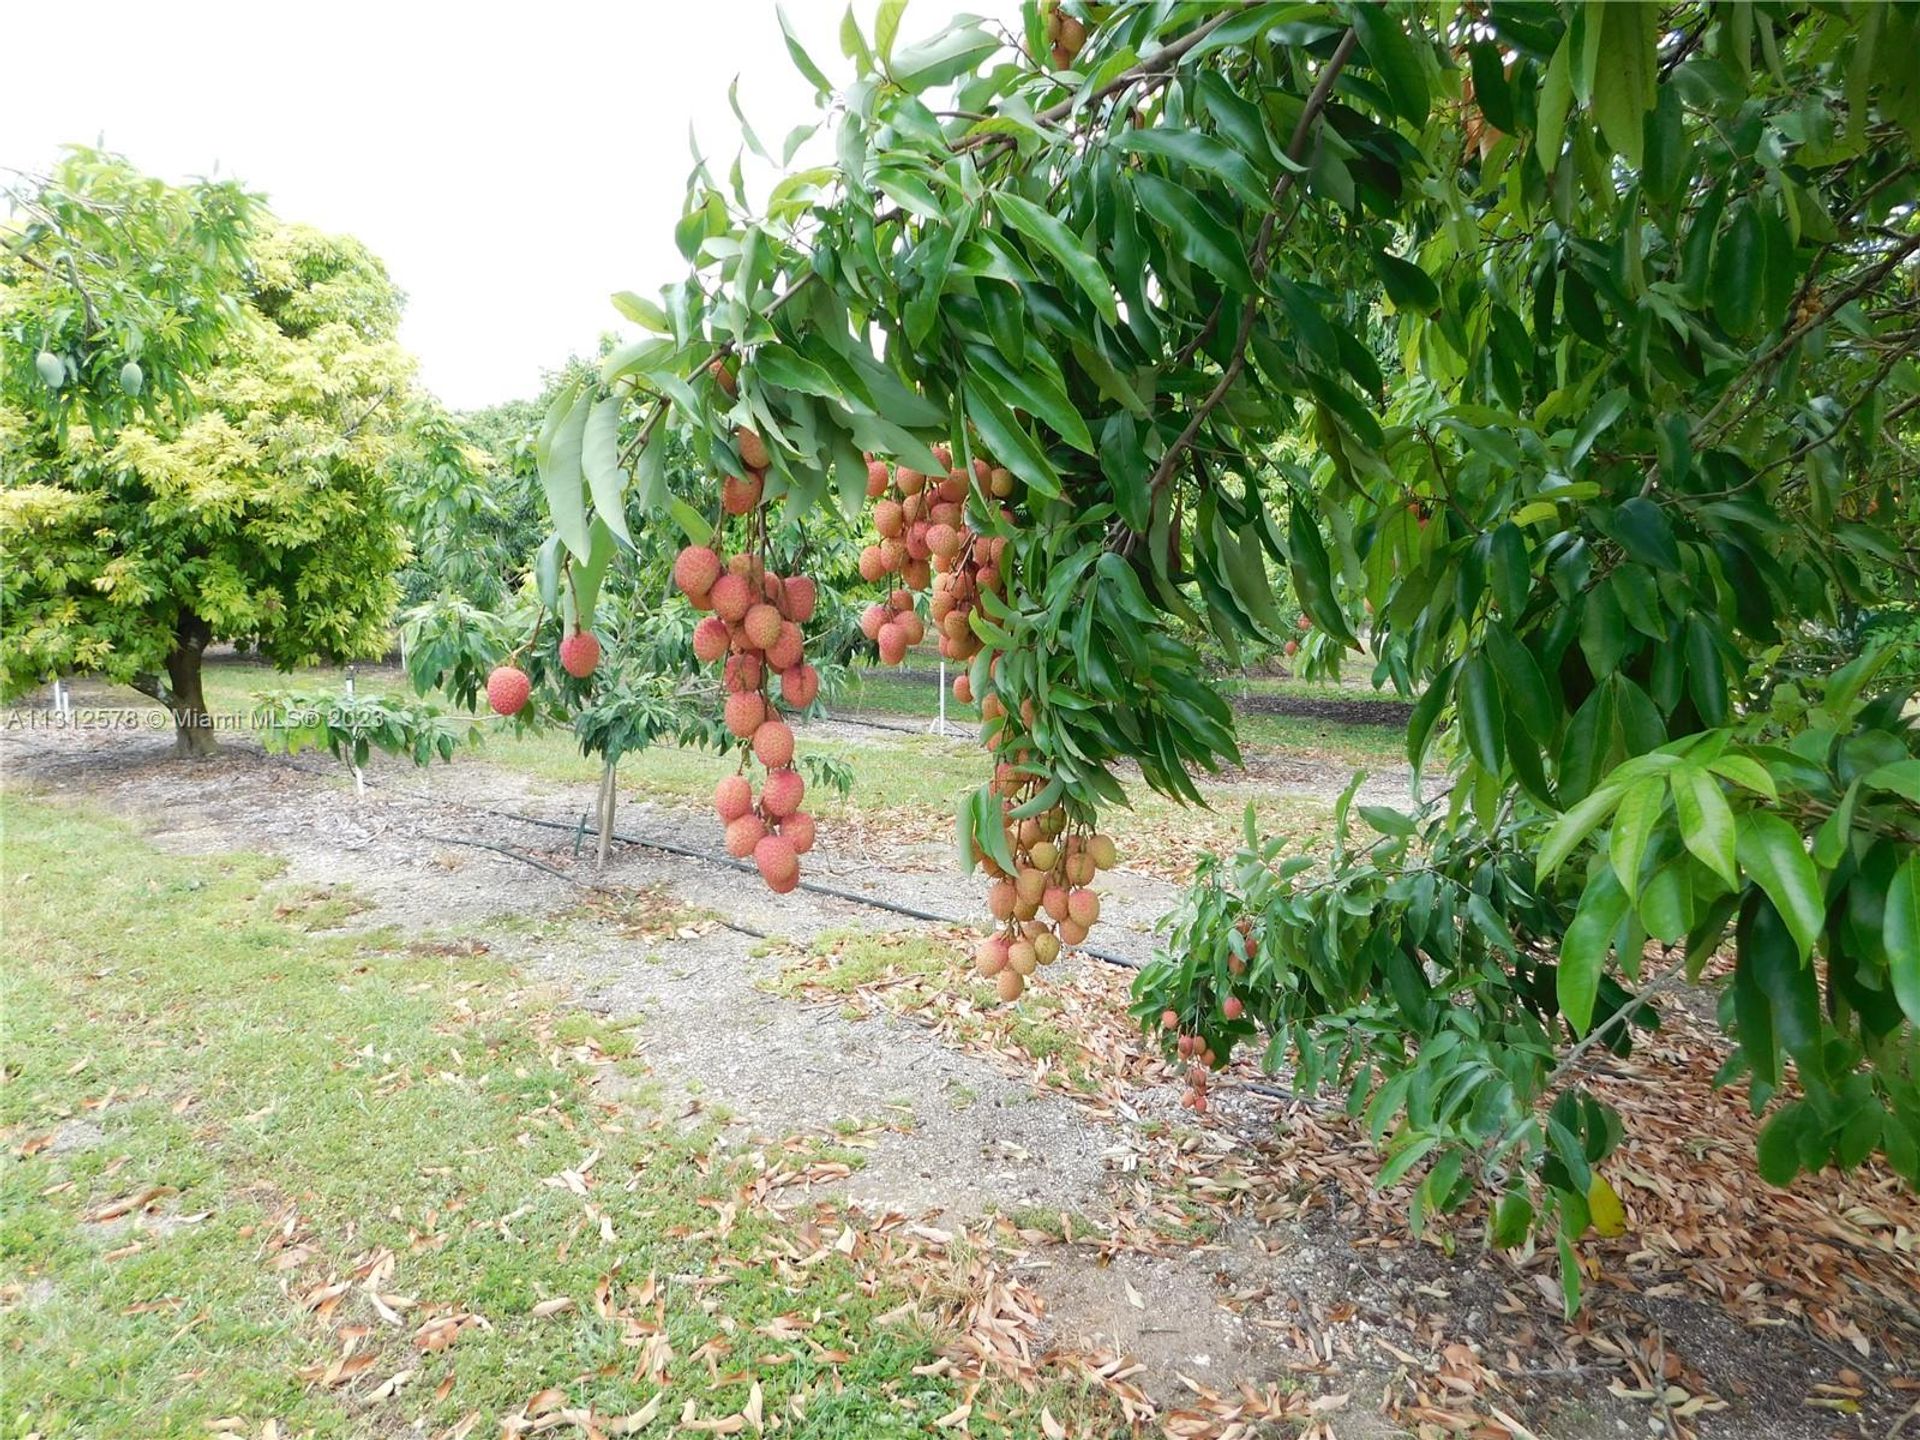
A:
[192,726]
[609,797]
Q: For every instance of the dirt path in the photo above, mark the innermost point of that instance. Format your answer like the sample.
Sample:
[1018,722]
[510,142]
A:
[1177,1261]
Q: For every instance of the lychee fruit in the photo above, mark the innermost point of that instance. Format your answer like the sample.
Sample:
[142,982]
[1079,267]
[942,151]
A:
[1046,946]
[1072,932]
[1233,1009]
[746,712]
[743,834]
[753,450]
[1008,984]
[710,639]
[732,798]
[872,619]
[774,855]
[787,647]
[797,829]
[695,569]
[740,493]
[744,672]
[963,689]
[799,686]
[731,598]
[1021,956]
[893,642]
[773,744]
[1001,899]
[508,689]
[782,793]
[801,595]
[1054,901]
[877,479]
[580,654]
[872,564]
[990,956]
[762,624]
[722,375]
[911,482]
[888,518]
[1100,847]
[1083,907]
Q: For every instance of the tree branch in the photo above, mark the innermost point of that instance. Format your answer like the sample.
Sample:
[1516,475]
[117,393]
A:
[1261,259]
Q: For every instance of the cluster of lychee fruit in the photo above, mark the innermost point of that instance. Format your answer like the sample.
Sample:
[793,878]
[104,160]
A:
[1193,1048]
[1065,34]
[923,537]
[509,688]
[753,630]
[1045,903]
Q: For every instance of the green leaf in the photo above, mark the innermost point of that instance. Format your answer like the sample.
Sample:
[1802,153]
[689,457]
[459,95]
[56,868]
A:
[886,26]
[561,477]
[1407,285]
[1573,827]
[1196,231]
[777,365]
[801,59]
[600,458]
[1480,714]
[1739,256]
[1201,152]
[1396,59]
[642,312]
[1061,243]
[1626,72]
[1902,937]
[1641,528]
[1633,825]
[1526,688]
[691,522]
[1583,950]
[1706,822]
[1771,851]
[951,53]
[1556,98]
[1010,444]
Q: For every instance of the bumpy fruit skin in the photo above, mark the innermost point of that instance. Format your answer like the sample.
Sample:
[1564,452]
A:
[788,646]
[508,690]
[1083,907]
[872,618]
[800,686]
[740,493]
[1102,851]
[1009,984]
[746,712]
[783,792]
[731,597]
[990,956]
[580,654]
[892,640]
[773,744]
[753,449]
[743,672]
[778,864]
[801,595]
[732,798]
[762,625]
[743,834]
[710,639]
[695,569]
[797,829]
[1233,1009]
[877,479]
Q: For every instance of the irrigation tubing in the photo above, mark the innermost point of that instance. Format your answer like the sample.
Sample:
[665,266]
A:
[814,887]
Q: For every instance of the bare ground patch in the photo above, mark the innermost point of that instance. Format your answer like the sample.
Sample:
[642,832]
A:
[1188,1260]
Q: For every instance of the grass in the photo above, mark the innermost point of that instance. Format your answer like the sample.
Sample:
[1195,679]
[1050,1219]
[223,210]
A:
[301,1109]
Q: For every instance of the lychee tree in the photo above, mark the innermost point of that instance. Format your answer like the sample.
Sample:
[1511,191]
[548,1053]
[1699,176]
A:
[199,409]
[1563,356]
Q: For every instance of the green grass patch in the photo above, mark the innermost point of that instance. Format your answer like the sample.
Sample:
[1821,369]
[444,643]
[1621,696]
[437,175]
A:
[293,1107]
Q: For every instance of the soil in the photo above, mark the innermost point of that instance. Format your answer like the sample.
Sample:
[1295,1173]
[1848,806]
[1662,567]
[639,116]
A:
[1303,1291]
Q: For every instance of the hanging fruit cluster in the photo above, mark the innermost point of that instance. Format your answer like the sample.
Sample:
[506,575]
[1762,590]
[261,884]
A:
[1043,904]
[1193,1047]
[753,629]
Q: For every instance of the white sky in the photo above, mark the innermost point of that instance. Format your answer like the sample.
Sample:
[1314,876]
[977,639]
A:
[512,164]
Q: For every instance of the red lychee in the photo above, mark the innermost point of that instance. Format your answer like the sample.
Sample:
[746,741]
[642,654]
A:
[773,744]
[797,830]
[787,648]
[695,569]
[732,798]
[872,619]
[740,493]
[746,712]
[753,449]
[744,672]
[877,479]
[731,597]
[580,654]
[710,639]
[508,689]
[782,793]
[801,596]
[893,642]
[762,624]
[743,834]
[799,686]
[778,864]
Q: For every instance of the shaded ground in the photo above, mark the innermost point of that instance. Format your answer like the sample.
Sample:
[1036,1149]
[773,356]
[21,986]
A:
[1250,1249]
